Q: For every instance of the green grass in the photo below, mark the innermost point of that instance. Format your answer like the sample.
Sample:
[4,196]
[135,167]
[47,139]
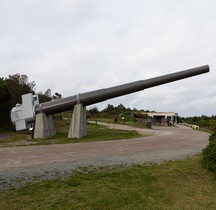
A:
[94,133]
[207,130]
[13,138]
[126,122]
[100,132]
[171,185]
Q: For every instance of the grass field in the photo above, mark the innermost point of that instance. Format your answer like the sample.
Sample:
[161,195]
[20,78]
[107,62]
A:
[95,133]
[171,185]
[174,185]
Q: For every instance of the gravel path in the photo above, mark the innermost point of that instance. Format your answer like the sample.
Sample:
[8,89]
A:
[20,165]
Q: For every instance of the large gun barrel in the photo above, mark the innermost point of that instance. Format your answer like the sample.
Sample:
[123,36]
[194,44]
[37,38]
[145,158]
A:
[22,115]
[100,95]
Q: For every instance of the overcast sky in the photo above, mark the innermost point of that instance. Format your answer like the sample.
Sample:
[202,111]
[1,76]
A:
[73,47]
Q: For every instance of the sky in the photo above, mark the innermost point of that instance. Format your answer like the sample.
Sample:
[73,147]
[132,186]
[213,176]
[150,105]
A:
[74,47]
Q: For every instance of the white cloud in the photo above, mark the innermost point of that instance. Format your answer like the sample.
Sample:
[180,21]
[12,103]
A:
[78,46]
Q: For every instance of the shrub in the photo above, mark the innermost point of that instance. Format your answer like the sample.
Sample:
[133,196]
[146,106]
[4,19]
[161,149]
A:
[213,124]
[209,154]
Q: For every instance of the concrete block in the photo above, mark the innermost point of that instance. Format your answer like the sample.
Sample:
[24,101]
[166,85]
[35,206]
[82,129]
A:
[44,126]
[78,127]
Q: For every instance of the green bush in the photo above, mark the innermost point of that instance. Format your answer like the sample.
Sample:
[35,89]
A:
[209,154]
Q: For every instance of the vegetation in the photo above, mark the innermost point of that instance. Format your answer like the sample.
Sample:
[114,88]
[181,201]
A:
[95,133]
[11,90]
[202,121]
[209,154]
[171,185]
[118,114]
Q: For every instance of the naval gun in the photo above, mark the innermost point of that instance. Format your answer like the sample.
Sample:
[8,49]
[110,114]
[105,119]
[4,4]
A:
[32,114]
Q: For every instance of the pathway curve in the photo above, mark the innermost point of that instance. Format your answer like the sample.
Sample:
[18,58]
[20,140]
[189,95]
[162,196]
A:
[19,165]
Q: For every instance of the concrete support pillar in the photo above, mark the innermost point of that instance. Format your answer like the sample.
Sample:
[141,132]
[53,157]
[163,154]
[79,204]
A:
[44,126]
[78,123]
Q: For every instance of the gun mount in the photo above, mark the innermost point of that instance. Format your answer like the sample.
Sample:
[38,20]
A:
[24,116]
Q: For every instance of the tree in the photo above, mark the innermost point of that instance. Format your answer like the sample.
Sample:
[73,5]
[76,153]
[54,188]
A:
[109,109]
[4,100]
[4,93]
[19,85]
[121,108]
[11,90]
[93,111]
[46,96]
[213,124]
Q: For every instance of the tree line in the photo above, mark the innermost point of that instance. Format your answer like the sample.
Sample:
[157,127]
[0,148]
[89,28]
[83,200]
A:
[202,121]
[118,111]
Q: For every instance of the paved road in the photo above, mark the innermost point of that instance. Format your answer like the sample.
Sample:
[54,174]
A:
[165,143]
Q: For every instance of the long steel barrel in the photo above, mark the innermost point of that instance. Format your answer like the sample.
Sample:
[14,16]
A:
[92,97]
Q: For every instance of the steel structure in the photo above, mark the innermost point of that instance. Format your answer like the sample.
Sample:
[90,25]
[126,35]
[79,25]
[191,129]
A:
[96,96]
[24,115]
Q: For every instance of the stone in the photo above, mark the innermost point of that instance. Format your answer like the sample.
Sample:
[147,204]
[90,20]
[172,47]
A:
[44,126]
[78,127]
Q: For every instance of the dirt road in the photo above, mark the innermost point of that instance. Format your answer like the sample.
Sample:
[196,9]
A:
[167,143]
